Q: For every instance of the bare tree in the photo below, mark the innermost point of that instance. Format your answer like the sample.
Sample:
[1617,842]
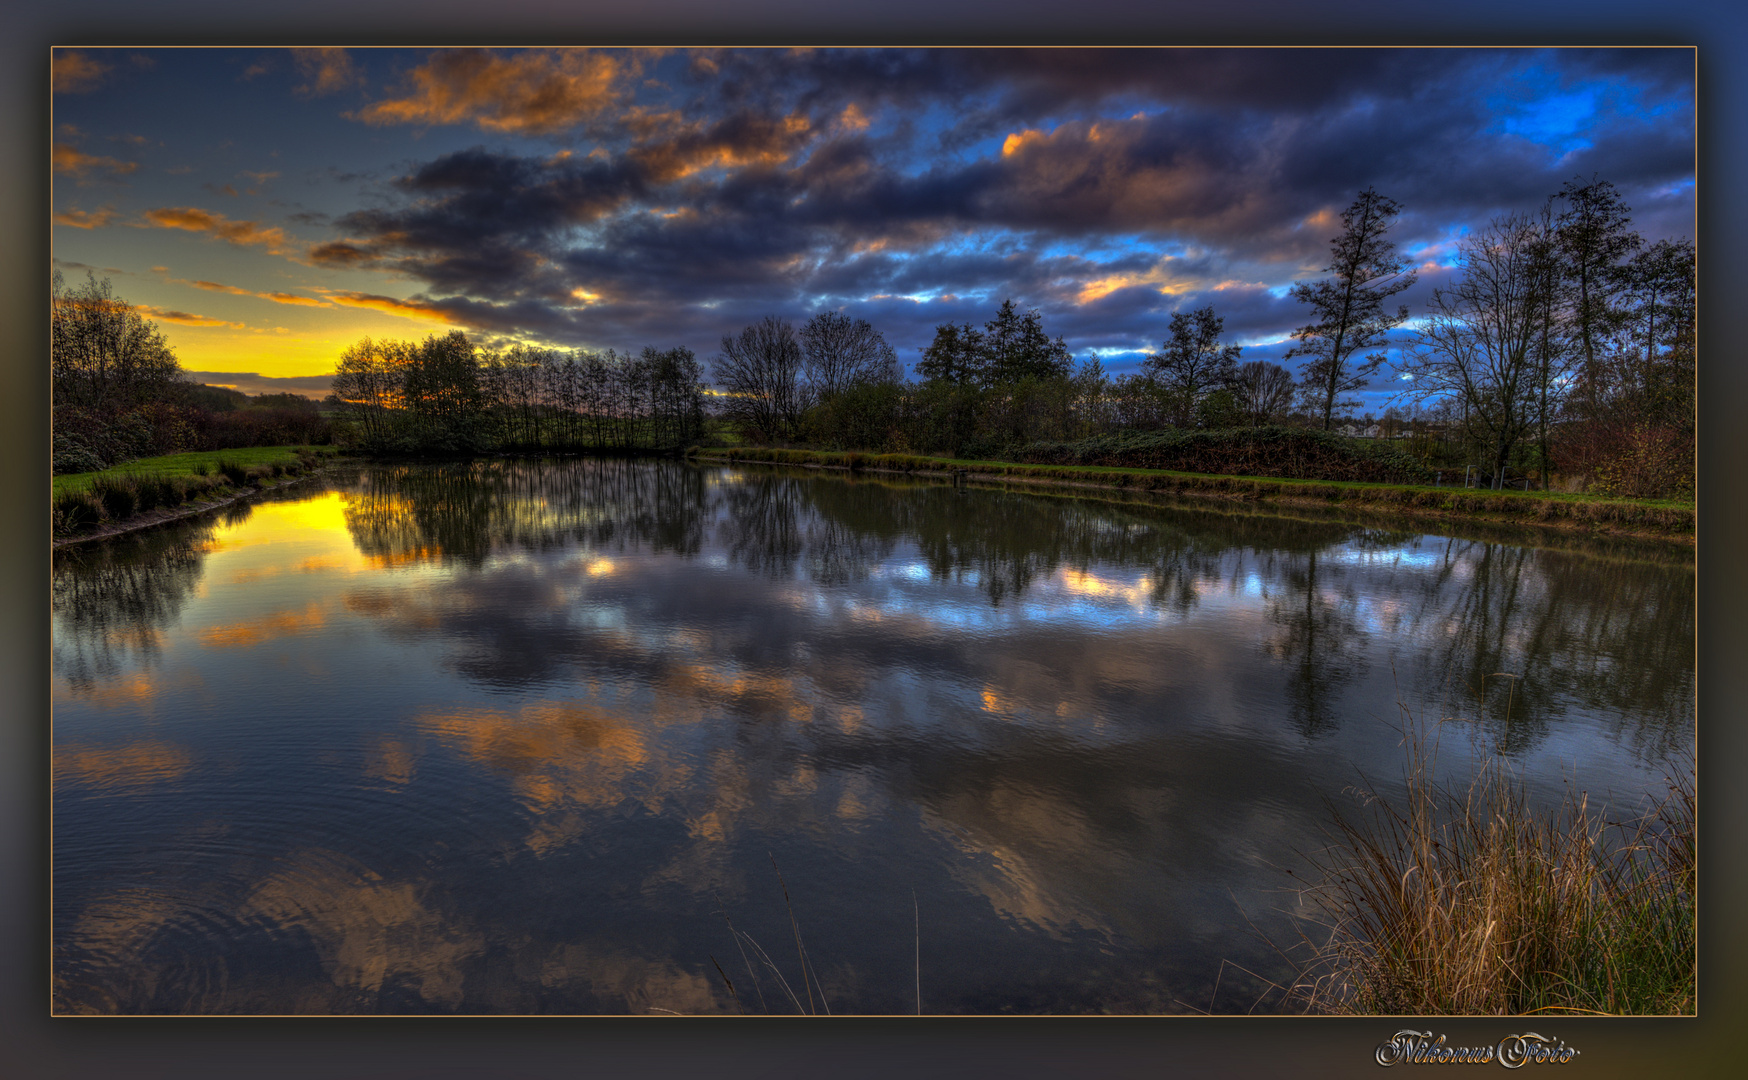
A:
[1660,290]
[838,352]
[1348,308]
[1594,241]
[1553,347]
[759,370]
[1479,340]
[1264,390]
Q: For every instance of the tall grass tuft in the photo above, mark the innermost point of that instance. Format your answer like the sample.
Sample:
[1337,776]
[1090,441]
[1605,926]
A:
[75,511]
[235,472]
[1470,901]
[117,495]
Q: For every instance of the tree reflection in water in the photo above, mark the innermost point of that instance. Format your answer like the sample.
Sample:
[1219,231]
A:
[1509,632]
[1081,726]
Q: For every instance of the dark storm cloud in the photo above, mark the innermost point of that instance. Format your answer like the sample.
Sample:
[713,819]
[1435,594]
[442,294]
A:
[1108,188]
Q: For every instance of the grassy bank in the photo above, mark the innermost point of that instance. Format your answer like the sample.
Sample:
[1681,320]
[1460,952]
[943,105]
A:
[152,489]
[192,465]
[1592,512]
[1469,902]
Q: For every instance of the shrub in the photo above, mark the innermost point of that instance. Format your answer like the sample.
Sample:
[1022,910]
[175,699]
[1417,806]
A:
[1288,453]
[1648,462]
[73,454]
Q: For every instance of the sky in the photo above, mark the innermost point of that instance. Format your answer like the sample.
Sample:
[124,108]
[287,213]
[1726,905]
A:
[269,207]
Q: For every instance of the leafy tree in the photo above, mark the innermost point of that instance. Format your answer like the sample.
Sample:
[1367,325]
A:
[441,386]
[956,356]
[1349,316]
[1138,402]
[1193,361]
[104,356]
[1009,348]
[1016,347]
[367,381]
[1092,394]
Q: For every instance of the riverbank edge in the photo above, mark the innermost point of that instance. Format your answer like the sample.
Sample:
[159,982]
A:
[153,518]
[1599,517]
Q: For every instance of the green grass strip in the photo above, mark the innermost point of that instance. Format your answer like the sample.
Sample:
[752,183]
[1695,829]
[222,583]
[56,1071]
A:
[170,465]
[1666,517]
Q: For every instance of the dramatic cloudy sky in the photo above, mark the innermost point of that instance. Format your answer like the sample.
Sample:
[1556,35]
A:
[270,206]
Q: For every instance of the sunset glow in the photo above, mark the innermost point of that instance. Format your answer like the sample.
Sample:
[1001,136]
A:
[268,207]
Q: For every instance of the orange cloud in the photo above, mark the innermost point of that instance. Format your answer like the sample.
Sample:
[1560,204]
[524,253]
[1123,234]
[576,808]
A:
[853,118]
[276,297]
[292,298]
[533,92]
[75,72]
[79,219]
[1019,140]
[1161,276]
[184,318]
[193,219]
[213,286]
[68,159]
[735,143]
[409,309]
[328,70]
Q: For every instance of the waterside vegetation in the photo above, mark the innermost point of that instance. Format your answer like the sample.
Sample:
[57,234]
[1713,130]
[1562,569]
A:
[1598,513]
[1466,901]
[153,489]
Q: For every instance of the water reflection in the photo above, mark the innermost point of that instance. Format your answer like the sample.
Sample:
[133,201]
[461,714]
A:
[112,603]
[511,736]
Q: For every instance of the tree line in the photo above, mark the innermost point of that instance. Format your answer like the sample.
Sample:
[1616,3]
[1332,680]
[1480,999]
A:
[449,395]
[1563,344]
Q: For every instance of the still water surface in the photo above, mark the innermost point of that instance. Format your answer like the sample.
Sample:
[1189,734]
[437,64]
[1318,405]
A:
[530,737]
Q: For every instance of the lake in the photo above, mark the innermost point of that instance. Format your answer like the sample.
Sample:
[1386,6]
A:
[604,736]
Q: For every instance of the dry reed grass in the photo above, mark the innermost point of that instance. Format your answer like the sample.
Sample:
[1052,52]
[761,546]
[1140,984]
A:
[1471,902]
